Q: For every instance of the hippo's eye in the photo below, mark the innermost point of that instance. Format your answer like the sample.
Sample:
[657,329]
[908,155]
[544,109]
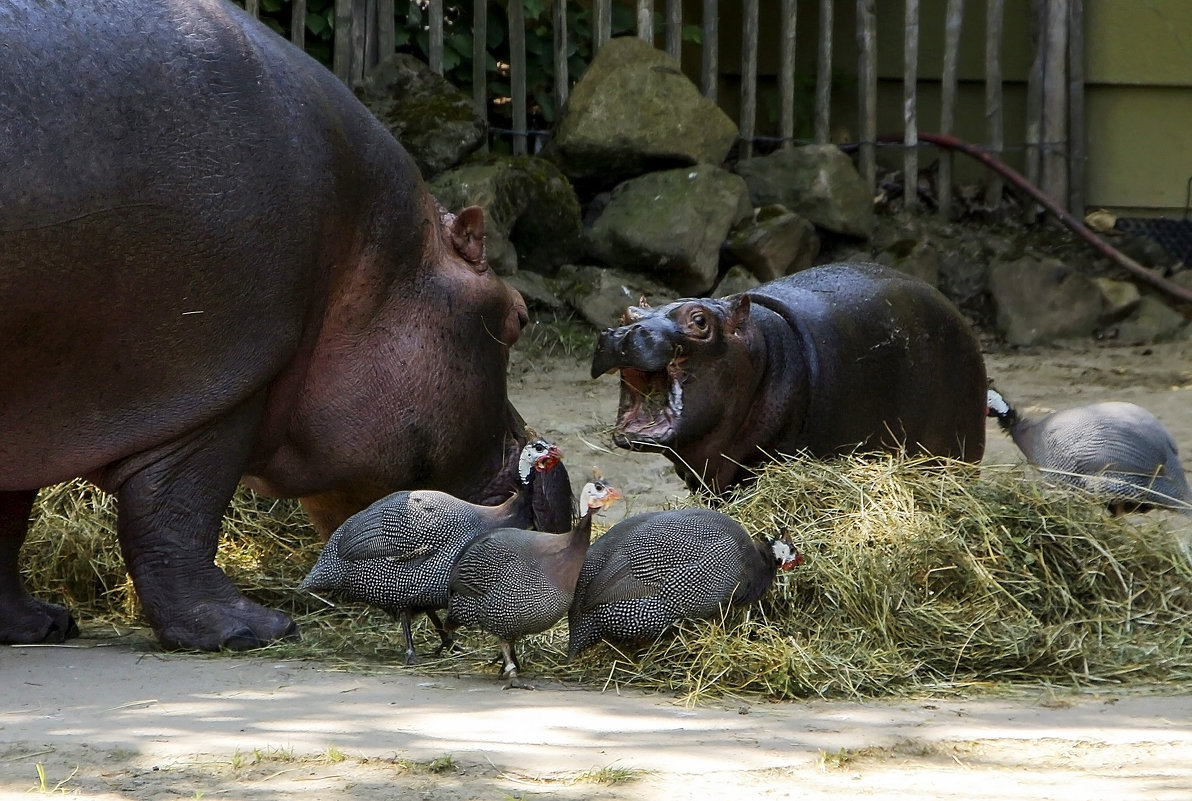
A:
[699,322]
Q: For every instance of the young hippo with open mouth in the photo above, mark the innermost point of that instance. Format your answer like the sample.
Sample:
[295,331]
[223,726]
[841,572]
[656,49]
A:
[826,361]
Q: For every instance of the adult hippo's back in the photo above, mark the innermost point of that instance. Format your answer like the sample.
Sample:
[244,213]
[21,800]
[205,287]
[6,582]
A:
[216,264]
[823,361]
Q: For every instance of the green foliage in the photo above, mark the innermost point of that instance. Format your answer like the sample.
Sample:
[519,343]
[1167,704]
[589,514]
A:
[458,45]
[412,35]
[320,24]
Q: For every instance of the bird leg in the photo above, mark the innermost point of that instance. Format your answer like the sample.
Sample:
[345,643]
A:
[446,638]
[411,655]
[510,657]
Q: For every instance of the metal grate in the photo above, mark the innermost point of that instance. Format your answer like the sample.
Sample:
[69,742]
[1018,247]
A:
[1174,236]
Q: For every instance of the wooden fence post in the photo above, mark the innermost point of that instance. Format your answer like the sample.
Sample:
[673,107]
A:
[710,68]
[341,63]
[1055,103]
[386,32]
[748,76]
[1034,103]
[645,20]
[435,20]
[480,61]
[910,110]
[1076,144]
[994,123]
[867,90]
[952,23]
[674,30]
[562,78]
[298,24]
[602,23]
[786,75]
[517,73]
[823,73]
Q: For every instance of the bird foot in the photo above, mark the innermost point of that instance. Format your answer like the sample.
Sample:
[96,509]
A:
[450,647]
[518,683]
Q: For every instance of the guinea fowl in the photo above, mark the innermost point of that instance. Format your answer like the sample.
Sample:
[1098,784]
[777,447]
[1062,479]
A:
[651,570]
[511,582]
[397,554]
[1116,450]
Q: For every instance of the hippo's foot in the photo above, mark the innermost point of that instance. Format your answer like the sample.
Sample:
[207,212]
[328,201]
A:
[27,620]
[236,626]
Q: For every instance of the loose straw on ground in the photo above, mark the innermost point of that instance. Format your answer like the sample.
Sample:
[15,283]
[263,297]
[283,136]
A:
[919,578]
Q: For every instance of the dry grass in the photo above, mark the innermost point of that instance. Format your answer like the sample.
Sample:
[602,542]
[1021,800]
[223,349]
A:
[918,579]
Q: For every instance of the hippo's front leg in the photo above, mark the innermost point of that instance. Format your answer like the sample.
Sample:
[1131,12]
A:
[171,504]
[23,618]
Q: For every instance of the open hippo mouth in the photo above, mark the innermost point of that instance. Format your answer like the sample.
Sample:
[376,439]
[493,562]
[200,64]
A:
[650,407]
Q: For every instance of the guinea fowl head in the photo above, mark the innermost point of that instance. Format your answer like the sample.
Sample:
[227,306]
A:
[999,407]
[597,495]
[786,555]
[537,456]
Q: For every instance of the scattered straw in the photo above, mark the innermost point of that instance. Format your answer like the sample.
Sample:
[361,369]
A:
[919,578]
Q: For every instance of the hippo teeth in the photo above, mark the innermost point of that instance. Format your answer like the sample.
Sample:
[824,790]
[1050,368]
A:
[651,402]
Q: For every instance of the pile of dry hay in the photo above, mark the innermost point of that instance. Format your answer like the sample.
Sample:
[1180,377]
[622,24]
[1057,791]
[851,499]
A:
[918,578]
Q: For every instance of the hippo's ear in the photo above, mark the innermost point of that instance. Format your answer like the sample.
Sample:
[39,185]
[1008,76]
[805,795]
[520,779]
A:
[467,234]
[738,313]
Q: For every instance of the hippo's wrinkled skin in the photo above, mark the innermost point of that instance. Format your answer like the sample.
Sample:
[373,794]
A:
[215,264]
[822,361]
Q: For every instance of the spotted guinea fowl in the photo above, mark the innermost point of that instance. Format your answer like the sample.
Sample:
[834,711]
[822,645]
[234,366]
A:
[1116,450]
[511,582]
[397,553]
[652,570]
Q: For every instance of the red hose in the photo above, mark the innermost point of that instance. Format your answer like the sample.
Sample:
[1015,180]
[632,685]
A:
[1083,231]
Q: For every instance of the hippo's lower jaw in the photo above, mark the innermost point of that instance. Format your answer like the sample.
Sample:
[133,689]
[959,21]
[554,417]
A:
[650,408]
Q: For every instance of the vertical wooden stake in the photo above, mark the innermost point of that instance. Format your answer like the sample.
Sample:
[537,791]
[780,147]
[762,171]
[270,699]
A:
[910,111]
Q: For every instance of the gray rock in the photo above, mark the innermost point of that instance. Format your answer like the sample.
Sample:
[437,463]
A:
[776,242]
[1042,300]
[671,225]
[429,116]
[1121,299]
[532,216]
[913,257]
[601,294]
[537,290]
[1152,321]
[738,279]
[633,111]
[818,182]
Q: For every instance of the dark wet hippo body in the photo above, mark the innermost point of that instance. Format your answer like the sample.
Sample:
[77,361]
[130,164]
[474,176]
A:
[215,264]
[822,361]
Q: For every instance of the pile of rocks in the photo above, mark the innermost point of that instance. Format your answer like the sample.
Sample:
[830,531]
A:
[636,194]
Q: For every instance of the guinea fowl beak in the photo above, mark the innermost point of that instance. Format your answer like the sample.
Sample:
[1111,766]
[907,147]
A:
[548,460]
[609,498]
[792,561]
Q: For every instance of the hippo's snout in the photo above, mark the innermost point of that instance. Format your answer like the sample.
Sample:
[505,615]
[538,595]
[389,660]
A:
[639,345]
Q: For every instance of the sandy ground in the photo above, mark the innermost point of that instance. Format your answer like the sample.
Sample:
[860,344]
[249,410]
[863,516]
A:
[114,718]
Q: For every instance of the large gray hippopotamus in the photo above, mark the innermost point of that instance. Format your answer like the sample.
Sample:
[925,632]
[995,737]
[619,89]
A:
[823,361]
[216,265]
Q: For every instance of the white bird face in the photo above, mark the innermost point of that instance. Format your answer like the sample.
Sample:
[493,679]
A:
[597,496]
[785,554]
[538,455]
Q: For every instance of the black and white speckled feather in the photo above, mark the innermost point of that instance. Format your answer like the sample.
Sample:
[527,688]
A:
[1119,451]
[398,553]
[510,582]
[651,570]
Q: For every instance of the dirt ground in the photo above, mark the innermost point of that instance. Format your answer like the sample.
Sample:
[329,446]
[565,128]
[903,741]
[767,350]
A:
[111,718]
